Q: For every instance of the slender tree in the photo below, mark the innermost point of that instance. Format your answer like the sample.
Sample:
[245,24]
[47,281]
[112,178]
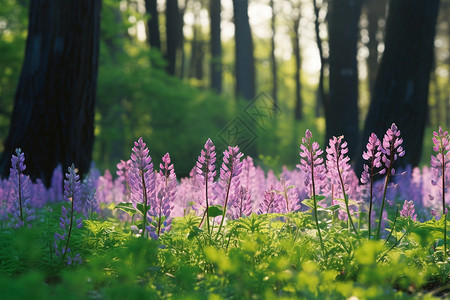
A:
[173,35]
[154,38]
[401,89]
[375,11]
[245,65]
[322,96]
[53,114]
[296,16]
[343,97]
[216,45]
[273,58]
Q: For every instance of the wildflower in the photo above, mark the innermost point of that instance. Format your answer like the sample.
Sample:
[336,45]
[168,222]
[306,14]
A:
[205,167]
[229,177]
[20,184]
[408,210]
[391,150]
[439,168]
[312,164]
[162,205]
[340,170]
[142,179]
[373,157]
[72,194]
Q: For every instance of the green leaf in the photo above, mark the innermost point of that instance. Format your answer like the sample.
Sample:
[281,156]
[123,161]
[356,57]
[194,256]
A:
[329,208]
[127,207]
[215,211]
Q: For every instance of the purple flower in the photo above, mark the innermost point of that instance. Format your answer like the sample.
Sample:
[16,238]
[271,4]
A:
[161,207]
[339,170]
[68,220]
[123,169]
[440,171]
[311,162]
[290,196]
[20,194]
[408,210]
[142,178]
[242,204]
[229,183]
[272,202]
[206,169]
[373,157]
[391,148]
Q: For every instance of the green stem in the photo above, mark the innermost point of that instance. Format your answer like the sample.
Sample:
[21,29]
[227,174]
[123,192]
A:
[226,198]
[315,204]
[393,227]
[346,198]
[443,203]
[388,175]
[144,192]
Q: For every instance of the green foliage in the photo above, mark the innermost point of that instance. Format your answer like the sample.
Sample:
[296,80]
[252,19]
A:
[267,256]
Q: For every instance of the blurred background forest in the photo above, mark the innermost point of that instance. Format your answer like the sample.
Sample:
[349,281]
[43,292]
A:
[179,72]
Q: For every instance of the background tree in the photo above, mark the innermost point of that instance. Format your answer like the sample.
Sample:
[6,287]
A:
[154,38]
[296,17]
[174,34]
[273,58]
[401,89]
[245,65]
[342,106]
[53,115]
[215,8]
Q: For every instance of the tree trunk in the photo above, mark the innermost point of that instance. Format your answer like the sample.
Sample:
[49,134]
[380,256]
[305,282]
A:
[273,58]
[298,87]
[153,24]
[342,107]
[376,11]
[216,46]
[401,88]
[245,65]
[172,34]
[322,97]
[53,115]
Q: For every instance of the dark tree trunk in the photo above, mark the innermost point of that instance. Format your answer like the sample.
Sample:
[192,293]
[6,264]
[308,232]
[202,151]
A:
[401,89]
[322,97]
[245,65]
[197,47]
[53,115]
[342,107]
[153,24]
[376,11]
[298,87]
[172,34]
[216,45]
[273,58]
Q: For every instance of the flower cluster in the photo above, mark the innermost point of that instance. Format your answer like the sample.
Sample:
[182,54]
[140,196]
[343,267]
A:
[142,179]
[72,194]
[311,162]
[162,205]
[373,157]
[408,210]
[20,195]
[391,149]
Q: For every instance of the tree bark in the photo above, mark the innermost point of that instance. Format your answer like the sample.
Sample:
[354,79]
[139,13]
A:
[273,58]
[245,65]
[216,45]
[376,11]
[342,107]
[173,38]
[298,110]
[154,38]
[322,97]
[401,88]
[53,114]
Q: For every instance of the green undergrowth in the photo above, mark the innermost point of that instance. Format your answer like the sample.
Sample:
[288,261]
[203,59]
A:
[272,256]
